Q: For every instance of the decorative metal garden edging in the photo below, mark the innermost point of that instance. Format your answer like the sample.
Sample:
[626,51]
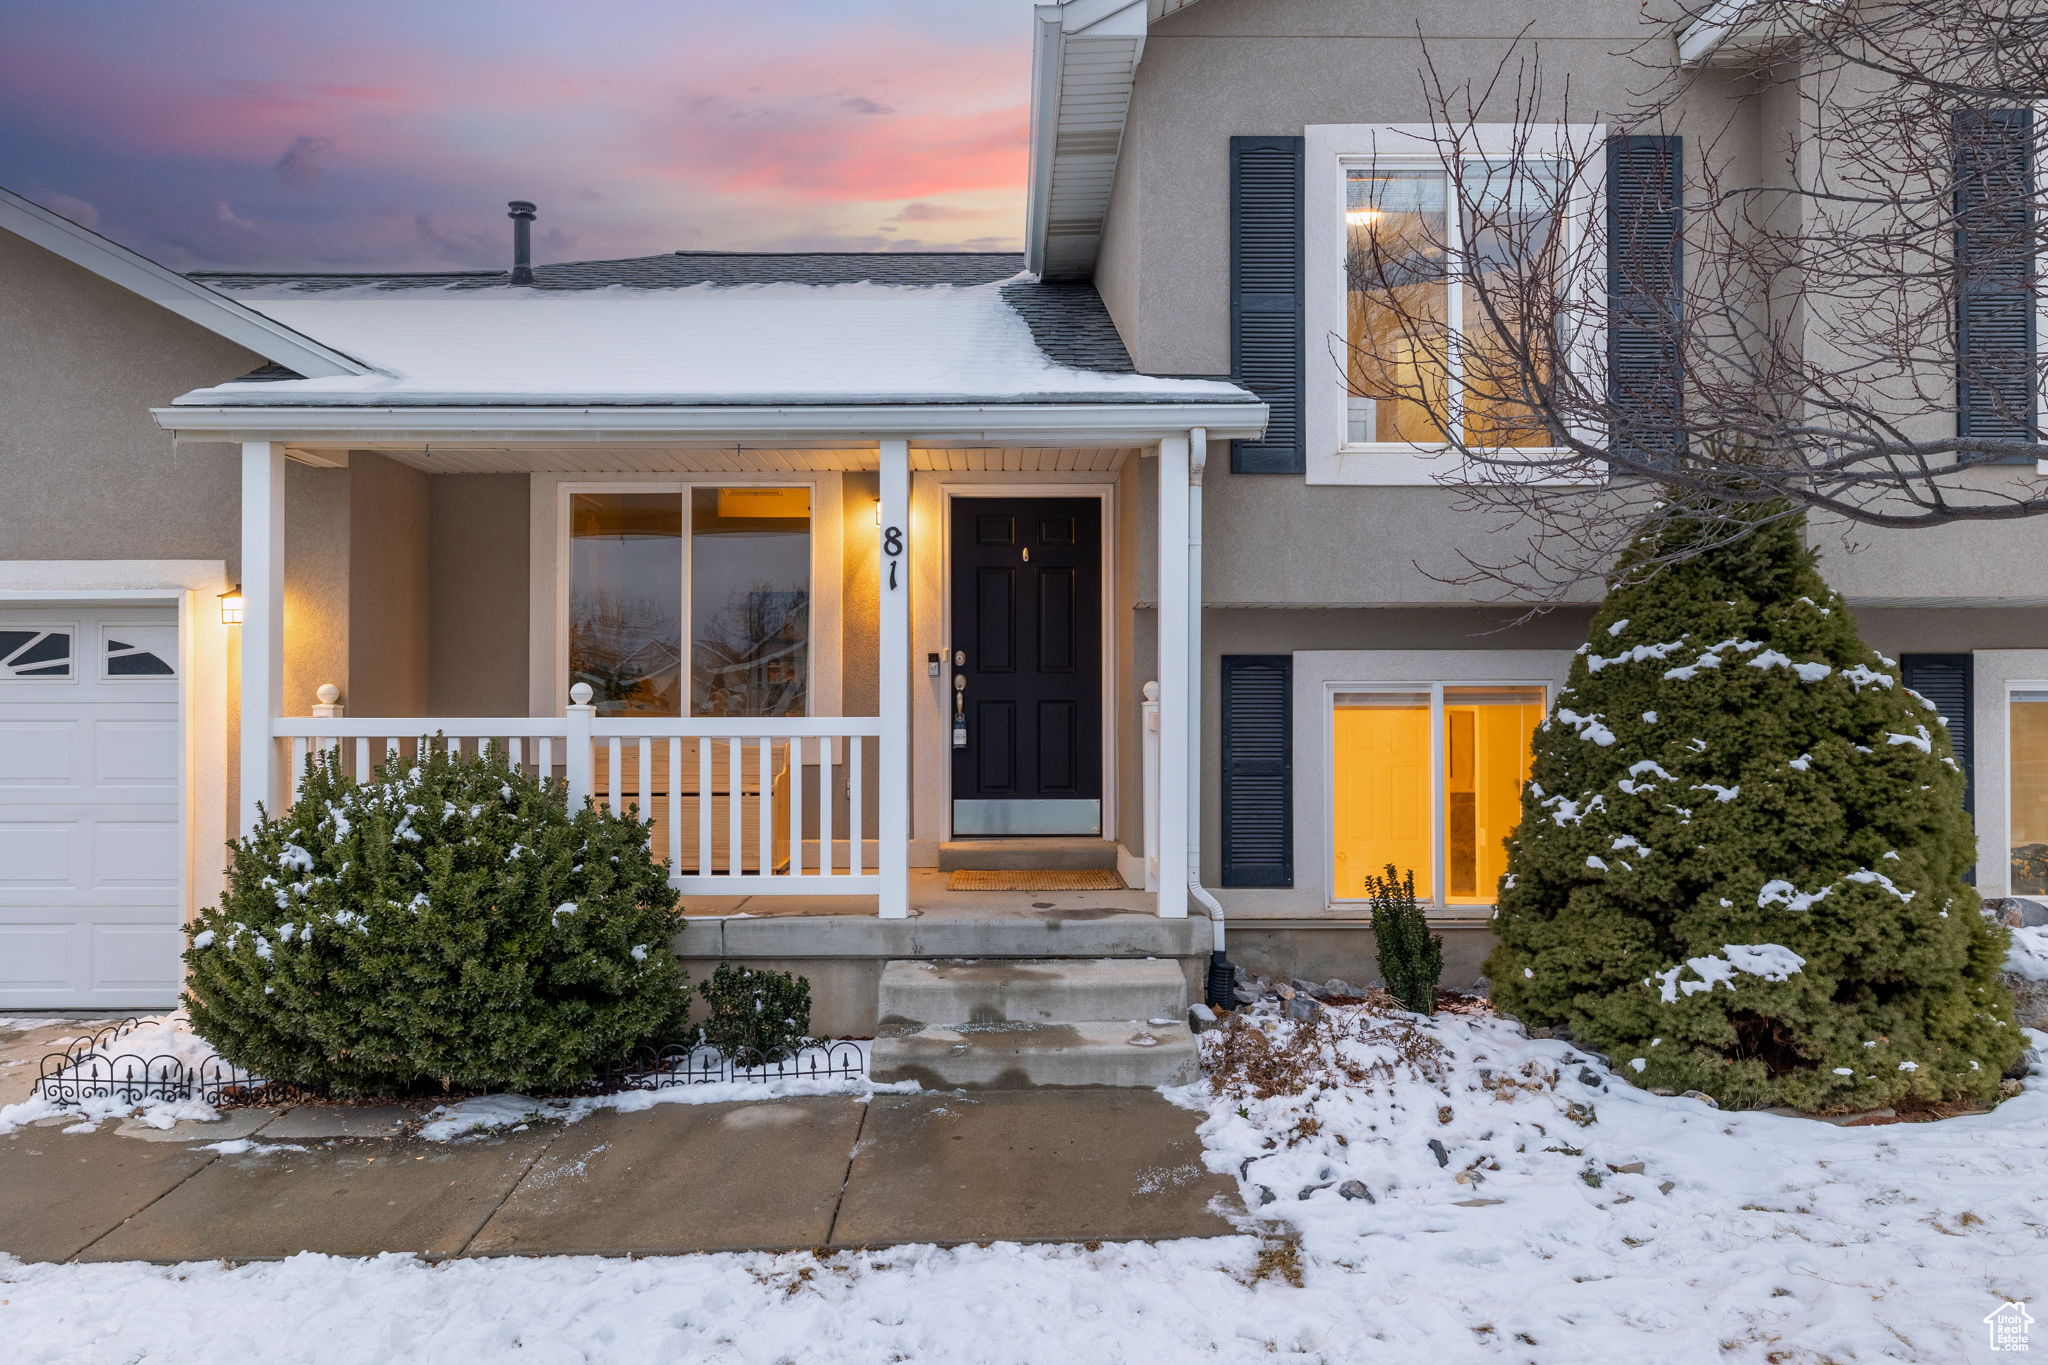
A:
[663,1068]
[93,1068]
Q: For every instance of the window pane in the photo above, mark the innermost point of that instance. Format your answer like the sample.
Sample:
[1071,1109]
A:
[1486,761]
[750,601]
[1511,216]
[1398,305]
[1380,788]
[625,600]
[2030,794]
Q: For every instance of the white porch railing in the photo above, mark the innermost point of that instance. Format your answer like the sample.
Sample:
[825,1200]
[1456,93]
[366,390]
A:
[755,806]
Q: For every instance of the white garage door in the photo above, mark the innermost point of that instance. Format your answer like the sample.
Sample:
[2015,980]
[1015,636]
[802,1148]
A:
[90,769]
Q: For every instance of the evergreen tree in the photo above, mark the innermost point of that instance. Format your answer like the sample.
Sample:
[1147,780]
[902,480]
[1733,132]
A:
[1741,861]
[449,924]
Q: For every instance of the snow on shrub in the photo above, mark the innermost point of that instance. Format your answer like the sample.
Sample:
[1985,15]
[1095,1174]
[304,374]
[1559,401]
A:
[1750,882]
[449,923]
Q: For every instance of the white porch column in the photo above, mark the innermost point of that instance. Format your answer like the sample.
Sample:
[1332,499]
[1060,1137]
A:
[1175,724]
[262,622]
[892,822]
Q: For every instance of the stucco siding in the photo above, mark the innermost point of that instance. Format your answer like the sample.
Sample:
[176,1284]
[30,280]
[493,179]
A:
[477,594]
[85,473]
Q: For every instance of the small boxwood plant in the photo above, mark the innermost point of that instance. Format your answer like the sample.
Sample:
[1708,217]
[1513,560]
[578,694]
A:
[765,1012]
[449,924]
[1411,958]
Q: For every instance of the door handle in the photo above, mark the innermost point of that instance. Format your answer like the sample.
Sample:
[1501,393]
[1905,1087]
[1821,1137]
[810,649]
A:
[959,710]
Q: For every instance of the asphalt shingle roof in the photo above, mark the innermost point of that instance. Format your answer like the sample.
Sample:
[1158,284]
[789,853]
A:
[1067,320]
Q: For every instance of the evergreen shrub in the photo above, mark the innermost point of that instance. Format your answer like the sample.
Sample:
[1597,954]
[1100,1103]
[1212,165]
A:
[449,923]
[766,1011]
[1742,859]
[1411,958]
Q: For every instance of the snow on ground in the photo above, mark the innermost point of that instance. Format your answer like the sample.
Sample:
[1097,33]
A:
[165,1042]
[170,1037]
[506,1111]
[2027,958]
[1526,1205]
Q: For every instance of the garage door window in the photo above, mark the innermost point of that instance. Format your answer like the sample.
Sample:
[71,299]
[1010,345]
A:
[138,652]
[35,654]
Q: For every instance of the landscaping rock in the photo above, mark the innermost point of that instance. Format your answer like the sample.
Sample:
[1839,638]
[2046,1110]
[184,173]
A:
[1443,1158]
[1355,1189]
[1703,1097]
[1302,1008]
[2029,1001]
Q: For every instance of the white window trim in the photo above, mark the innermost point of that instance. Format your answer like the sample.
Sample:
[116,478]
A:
[1317,674]
[549,685]
[1436,903]
[1329,149]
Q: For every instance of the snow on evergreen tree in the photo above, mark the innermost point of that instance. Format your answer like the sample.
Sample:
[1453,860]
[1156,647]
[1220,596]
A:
[1742,857]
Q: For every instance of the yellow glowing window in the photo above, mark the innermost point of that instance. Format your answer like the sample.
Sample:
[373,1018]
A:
[1425,360]
[1429,780]
[2028,840]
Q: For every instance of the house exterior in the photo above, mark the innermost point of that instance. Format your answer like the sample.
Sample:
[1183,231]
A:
[850,570]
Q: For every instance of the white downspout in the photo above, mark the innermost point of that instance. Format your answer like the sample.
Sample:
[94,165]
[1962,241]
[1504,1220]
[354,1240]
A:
[1198,459]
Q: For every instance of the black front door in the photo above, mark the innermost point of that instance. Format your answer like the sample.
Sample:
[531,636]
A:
[1026,667]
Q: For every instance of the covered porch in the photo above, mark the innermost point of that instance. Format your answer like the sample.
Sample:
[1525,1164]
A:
[839,802]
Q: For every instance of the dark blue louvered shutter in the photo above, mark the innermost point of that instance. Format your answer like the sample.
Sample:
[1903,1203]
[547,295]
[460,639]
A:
[1258,770]
[1645,263]
[1997,382]
[1947,680]
[1266,346]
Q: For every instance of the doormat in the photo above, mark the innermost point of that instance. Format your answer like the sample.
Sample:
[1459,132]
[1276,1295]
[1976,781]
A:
[1034,879]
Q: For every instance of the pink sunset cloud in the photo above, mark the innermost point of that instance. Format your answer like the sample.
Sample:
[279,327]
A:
[386,141]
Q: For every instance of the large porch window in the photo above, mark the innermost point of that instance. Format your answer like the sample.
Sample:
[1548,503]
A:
[701,593]
[1429,778]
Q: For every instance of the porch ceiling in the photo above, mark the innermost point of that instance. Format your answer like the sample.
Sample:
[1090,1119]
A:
[660,459]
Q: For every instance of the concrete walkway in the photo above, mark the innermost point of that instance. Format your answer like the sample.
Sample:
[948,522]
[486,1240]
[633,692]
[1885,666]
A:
[777,1174]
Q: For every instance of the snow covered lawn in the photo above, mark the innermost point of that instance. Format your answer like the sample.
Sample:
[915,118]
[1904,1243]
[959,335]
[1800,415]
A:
[1526,1205]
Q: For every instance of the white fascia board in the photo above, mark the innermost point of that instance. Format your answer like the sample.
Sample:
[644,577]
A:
[965,423]
[166,288]
[1720,35]
[1047,49]
[1085,21]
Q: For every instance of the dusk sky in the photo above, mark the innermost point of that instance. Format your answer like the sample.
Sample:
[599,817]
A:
[378,134]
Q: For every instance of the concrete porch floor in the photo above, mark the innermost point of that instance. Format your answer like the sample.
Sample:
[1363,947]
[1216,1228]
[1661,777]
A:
[929,895]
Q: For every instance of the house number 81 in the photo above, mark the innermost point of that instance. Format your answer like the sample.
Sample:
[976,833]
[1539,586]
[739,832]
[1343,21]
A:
[892,546]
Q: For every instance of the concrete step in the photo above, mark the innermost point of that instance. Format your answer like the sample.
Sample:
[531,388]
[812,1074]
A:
[1042,991]
[1005,855]
[1101,1053]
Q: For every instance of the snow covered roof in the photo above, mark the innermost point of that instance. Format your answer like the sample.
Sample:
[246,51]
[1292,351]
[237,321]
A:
[704,328]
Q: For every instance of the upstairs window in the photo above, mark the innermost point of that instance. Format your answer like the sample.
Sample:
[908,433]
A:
[1426,365]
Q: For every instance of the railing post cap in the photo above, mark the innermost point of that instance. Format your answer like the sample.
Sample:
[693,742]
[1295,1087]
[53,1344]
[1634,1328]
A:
[1151,691]
[581,694]
[328,694]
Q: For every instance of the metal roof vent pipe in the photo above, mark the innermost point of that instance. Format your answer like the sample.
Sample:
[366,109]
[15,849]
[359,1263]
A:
[521,213]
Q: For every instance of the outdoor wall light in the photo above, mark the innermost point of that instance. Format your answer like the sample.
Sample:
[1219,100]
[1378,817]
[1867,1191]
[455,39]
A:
[231,606]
